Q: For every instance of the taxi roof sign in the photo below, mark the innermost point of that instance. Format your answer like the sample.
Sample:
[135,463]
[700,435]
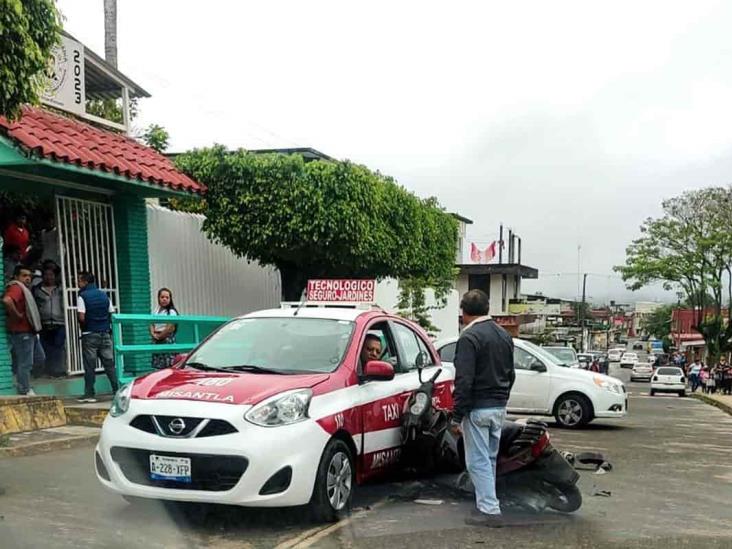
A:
[341,290]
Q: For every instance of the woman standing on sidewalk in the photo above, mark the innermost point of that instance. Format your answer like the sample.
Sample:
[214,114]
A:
[711,380]
[164,333]
[703,378]
[725,375]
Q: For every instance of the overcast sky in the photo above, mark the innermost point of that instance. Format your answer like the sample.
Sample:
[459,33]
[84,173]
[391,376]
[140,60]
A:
[568,121]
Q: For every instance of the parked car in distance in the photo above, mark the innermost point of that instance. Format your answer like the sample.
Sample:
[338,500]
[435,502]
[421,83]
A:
[546,386]
[637,346]
[641,371]
[565,355]
[628,360]
[659,359]
[614,355]
[668,379]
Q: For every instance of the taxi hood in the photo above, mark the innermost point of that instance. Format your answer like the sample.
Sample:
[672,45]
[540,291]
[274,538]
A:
[219,387]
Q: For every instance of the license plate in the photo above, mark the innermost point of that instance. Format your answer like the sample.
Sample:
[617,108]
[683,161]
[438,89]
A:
[170,468]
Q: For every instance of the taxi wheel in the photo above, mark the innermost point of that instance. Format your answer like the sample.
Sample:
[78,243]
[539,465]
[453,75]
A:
[333,492]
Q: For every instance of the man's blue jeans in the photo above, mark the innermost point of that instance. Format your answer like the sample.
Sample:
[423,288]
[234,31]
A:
[482,435]
[25,351]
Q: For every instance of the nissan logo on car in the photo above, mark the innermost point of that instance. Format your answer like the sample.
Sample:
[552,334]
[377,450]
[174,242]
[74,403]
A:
[177,426]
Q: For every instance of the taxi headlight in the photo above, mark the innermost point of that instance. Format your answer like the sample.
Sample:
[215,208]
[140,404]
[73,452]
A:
[607,385]
[283,409]
[121,401]
[420,403]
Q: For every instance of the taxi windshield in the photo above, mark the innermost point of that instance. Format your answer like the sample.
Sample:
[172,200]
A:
[278,345]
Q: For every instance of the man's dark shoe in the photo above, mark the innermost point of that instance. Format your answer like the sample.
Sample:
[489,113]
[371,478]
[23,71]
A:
[476,518]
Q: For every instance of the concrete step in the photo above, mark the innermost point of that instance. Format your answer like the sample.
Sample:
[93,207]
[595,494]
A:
[24,413]
[91,415]
[47,440]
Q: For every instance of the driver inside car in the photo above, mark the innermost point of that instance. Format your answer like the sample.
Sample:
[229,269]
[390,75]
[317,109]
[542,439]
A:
[371,349]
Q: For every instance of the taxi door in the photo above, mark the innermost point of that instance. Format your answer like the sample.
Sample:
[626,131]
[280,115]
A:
[382,404]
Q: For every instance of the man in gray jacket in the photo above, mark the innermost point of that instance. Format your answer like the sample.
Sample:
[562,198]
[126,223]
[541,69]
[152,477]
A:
[49,297]
[484,376]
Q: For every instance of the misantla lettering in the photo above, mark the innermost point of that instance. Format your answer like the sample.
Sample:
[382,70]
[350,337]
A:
[195,395]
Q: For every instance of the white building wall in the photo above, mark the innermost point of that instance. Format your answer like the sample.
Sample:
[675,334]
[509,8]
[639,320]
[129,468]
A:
[205,278]
[445,319]
[496,295]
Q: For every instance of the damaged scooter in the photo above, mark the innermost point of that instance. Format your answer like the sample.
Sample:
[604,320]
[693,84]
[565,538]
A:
[531,473]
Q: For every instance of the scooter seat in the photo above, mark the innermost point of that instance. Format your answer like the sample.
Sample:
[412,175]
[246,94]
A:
[510,432]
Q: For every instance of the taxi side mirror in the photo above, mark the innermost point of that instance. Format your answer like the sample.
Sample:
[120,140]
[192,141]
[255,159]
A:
[378,370]
[421,360]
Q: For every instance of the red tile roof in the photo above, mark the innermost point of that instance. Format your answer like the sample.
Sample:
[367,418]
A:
[69,141]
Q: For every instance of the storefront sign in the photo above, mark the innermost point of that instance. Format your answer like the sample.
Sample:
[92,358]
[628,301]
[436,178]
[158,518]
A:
[341,290]
[66,89]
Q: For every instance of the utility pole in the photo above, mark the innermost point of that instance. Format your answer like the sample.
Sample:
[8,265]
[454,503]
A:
[582,313]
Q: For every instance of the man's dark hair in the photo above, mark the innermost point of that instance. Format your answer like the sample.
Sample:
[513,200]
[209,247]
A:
[87,277]
[475,303]
[20,268]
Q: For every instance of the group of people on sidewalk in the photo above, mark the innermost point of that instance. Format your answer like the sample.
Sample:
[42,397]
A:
[37,332]
[711,379]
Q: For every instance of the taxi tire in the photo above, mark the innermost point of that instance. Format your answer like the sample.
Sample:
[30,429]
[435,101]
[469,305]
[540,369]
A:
[321,509]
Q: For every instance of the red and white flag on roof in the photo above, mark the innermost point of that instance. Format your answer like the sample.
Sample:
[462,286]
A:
[482,256]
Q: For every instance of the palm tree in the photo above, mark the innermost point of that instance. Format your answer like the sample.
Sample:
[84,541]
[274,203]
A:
[110,32]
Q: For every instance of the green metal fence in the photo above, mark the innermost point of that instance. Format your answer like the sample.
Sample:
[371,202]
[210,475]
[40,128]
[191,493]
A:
[191,331]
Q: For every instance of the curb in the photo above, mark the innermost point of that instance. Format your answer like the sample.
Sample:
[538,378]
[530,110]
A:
[32,448]
[713,402]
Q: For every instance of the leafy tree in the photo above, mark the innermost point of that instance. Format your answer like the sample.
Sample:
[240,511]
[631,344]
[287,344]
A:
[658,323]
[111,109]
[320,219]
[29,30]
[690,248]
[156,137]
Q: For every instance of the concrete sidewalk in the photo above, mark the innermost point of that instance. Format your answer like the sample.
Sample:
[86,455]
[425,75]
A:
[723,402]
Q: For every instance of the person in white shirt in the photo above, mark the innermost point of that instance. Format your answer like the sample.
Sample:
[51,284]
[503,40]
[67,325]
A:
[163,332]
[694,371]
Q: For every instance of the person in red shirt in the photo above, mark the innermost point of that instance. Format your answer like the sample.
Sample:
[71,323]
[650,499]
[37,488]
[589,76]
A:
[18,236]
[23,323]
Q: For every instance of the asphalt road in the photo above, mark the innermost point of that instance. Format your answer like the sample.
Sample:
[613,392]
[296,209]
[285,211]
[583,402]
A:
[671,487]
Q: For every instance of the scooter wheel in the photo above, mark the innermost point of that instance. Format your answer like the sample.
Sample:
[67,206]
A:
[565,499]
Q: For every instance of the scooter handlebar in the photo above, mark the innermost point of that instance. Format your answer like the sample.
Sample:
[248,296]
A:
[434,377]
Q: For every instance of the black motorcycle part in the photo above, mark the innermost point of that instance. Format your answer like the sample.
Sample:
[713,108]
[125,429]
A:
[565,499]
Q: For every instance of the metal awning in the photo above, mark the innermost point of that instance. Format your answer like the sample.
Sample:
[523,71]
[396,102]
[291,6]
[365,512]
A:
[693,343]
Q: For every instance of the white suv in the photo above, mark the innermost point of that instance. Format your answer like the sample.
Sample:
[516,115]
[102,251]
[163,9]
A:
[546,387]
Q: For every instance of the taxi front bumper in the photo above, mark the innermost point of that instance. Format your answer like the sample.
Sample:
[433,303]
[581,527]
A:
[238,468]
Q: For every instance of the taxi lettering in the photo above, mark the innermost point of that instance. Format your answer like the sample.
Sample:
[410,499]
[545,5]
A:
[385,457]
[391,412]
[213,381]
[195,395]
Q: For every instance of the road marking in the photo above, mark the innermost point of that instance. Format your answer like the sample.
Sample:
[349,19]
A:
[309,537]
[288,544]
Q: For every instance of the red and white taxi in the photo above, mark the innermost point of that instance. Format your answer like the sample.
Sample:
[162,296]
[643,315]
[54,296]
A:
[276,408]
